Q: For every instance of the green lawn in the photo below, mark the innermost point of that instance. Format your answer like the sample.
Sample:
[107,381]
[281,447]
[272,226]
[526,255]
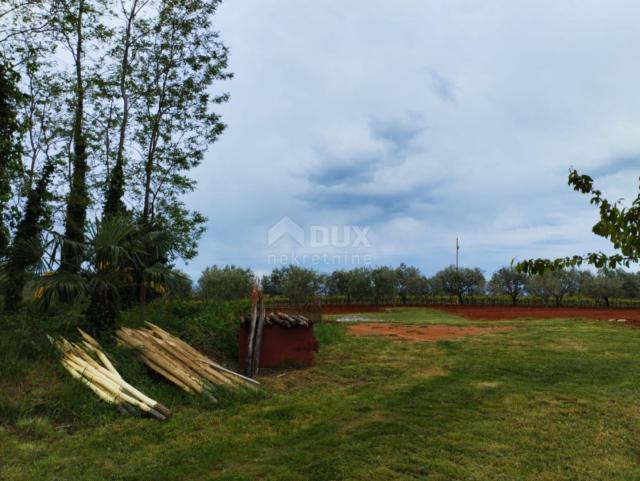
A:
[550,400]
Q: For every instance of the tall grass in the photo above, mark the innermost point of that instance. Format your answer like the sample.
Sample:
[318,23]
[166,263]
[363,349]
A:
[34,387]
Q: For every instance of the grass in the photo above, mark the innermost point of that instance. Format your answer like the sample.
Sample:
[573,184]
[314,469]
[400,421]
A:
[409,316]
[550,400]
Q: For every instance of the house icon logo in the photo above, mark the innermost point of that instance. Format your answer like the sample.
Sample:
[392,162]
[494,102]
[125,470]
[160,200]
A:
[285,227]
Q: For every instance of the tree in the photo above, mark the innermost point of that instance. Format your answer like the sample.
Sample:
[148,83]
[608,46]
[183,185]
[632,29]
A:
[182,287]
[226,284]
[604,286]
[173,73]
[555,284]
[338,284]
[385,284]
[619,224]
[115,256]
[630,284]
[74,22]
[360,284]
[26,249]
[123,51]
[410,281]
[508,281]
[273,284]
[299,285]
[419,287]
[460,282]
[11,130]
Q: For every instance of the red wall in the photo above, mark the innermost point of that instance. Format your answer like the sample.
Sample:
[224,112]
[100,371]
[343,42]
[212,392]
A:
[282,346]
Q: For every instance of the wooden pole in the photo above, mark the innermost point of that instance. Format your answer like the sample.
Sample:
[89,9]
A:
[248,362]
[256,356]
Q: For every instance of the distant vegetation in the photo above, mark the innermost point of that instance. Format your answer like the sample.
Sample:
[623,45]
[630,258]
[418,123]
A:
[405,284]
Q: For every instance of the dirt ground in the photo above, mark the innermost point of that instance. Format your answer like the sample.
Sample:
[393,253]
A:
[632,316]
[420,333]
[512,312]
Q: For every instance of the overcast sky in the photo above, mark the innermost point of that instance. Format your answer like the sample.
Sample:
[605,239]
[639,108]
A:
[416,121]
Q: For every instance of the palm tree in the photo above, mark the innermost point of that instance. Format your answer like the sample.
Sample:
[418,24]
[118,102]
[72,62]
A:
[117,260]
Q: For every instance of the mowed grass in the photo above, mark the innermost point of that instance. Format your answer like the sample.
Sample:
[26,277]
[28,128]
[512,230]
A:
[550,400]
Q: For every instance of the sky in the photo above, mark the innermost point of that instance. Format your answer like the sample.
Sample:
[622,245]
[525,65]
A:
[368,132]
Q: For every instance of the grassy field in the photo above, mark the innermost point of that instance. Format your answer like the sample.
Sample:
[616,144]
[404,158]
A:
[550,400]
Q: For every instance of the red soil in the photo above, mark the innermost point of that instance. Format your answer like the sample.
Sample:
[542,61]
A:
[501,312]
[420,333]
[512,312]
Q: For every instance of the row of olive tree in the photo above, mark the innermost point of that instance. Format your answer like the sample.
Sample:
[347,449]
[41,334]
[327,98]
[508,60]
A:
[407,284]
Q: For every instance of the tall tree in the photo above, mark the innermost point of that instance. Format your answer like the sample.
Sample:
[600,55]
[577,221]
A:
[11,130]
[124,51]
[71,22]
[26,250]
[174,123]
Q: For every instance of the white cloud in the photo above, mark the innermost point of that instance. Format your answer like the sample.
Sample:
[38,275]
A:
[539,86]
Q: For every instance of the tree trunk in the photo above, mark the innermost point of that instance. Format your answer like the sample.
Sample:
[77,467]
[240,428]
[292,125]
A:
[115,192]
[101,314]
[78,199]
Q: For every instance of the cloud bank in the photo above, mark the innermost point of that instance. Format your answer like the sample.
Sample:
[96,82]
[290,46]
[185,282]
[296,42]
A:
[424,121]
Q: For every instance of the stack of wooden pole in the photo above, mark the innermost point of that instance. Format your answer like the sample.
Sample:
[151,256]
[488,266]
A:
[180,363]
[87,362]
[283,319]
[256,321]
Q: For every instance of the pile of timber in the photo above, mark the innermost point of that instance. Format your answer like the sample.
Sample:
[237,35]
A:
[282,319]
[87,362]
[180,363]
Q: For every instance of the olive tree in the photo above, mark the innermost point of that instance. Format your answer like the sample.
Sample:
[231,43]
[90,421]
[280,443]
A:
[460,282]
[555,285]
[604,286]
[509,282]
[384,283]
[226,283]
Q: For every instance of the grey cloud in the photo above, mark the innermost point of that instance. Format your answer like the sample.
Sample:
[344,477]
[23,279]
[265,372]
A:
[618,164]
[400,133]
[442,87]
[397,137]
[336,170]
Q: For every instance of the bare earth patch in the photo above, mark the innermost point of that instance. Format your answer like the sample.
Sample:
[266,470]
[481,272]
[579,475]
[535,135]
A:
[421,333]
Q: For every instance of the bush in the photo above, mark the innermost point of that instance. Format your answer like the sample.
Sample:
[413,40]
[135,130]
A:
[211,326]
